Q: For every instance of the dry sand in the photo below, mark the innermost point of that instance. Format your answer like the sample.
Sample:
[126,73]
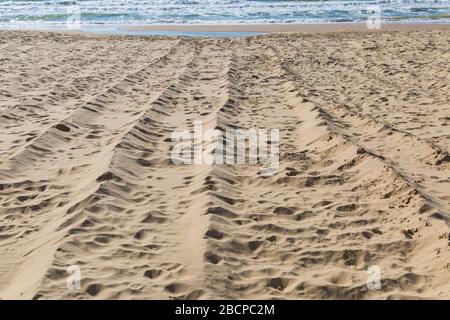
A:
[86,178]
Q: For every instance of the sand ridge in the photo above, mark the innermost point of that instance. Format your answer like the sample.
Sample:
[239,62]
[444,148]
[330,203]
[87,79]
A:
[86,177]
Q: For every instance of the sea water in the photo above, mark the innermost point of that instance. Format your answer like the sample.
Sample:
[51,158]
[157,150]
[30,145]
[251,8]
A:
[99,13]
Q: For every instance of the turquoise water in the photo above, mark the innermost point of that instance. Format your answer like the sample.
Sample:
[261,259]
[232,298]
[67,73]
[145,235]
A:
[43,13]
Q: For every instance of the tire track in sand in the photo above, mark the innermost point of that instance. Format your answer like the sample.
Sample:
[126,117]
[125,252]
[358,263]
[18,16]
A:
[137,216]
[78,150]
[319,242]
[30,122]
[426,171]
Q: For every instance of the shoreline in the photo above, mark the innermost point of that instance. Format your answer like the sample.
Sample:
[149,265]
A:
[277,28]
[234,30]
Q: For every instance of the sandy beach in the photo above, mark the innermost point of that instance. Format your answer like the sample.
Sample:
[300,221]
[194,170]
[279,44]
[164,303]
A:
[363,184]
